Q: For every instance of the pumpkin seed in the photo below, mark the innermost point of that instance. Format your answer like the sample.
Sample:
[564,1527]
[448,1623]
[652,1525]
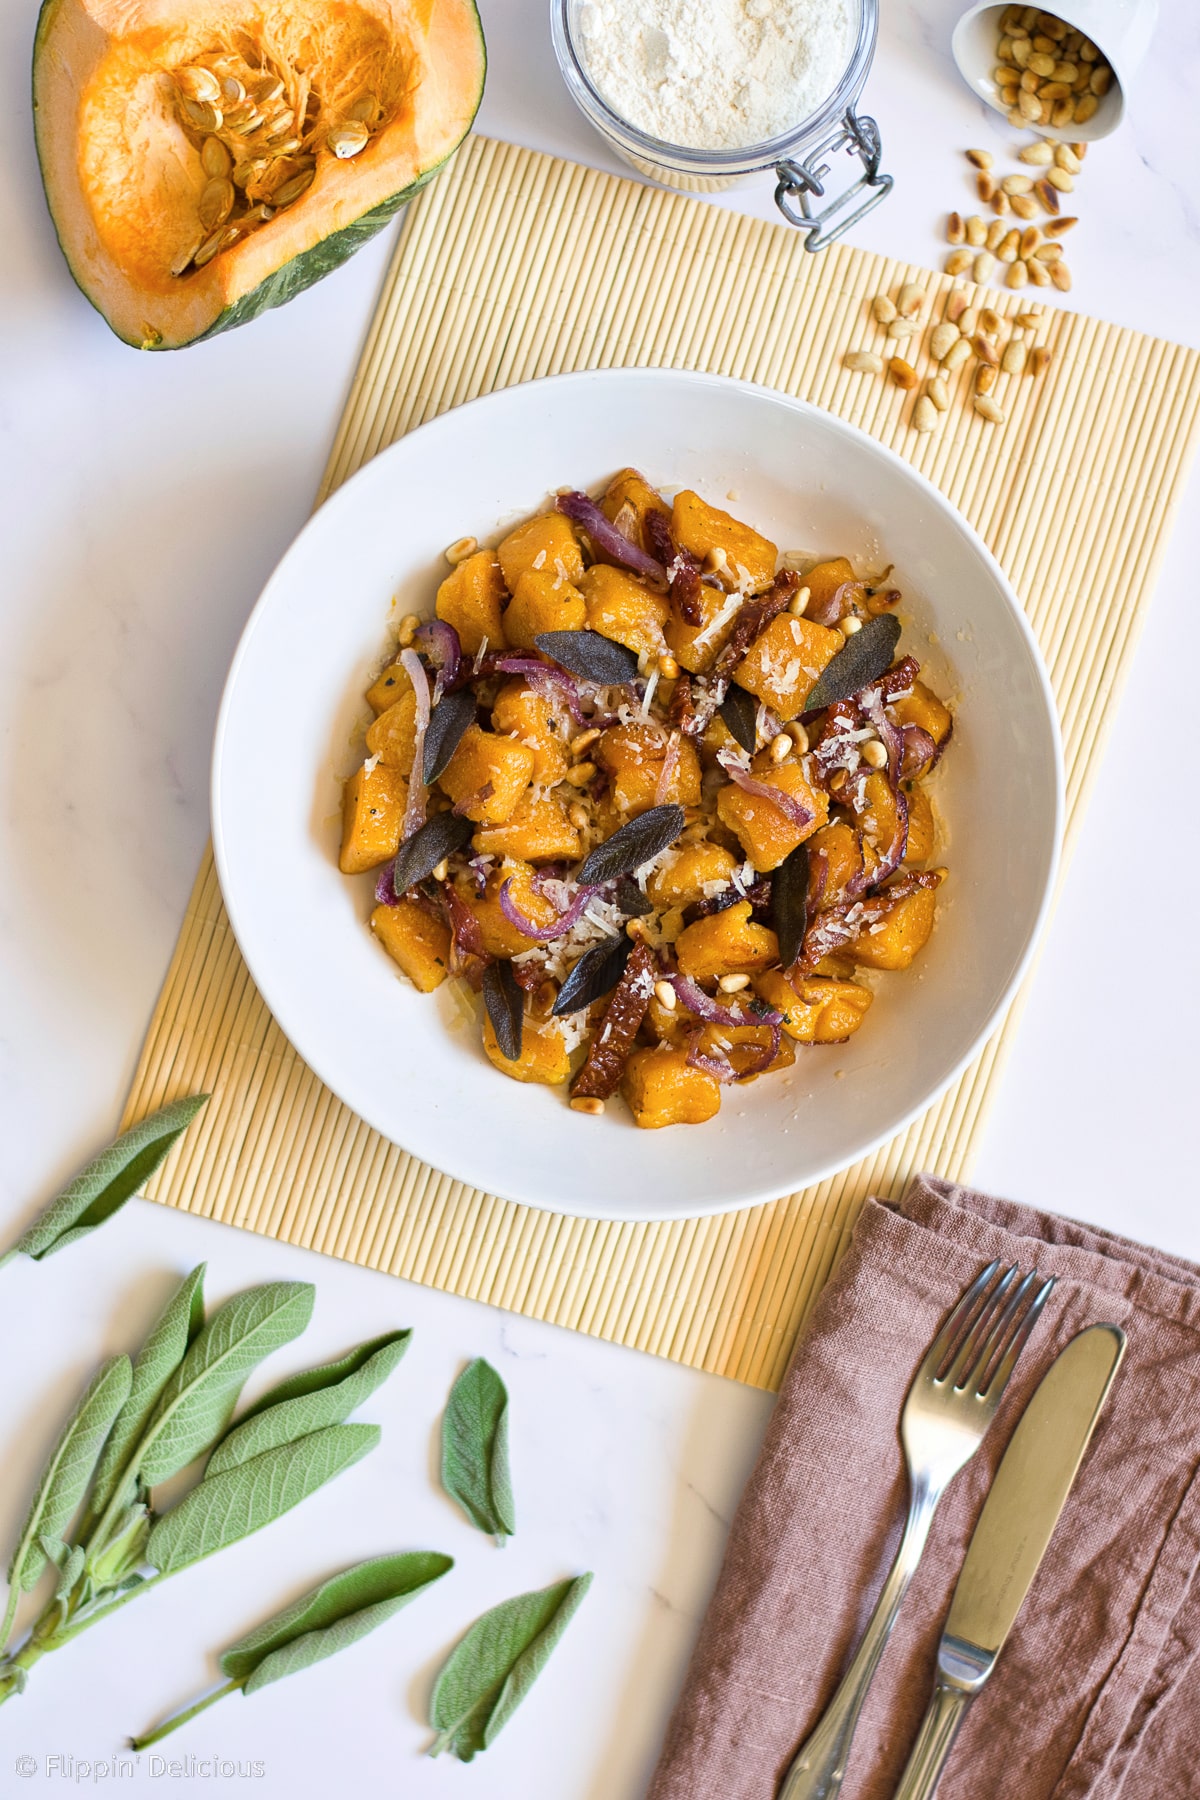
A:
[208,249]
[789,903]
[638,842]
[280,125]
[366,108]
[245,119]
[268,90]
[292,190]
[595,974]
[200,85]
[505,1006]
[348,139]
[215,159]
[216,203]
[184,259]
[420,854]
[863,658]
[449,719]
[739,712]
[248,170]
[233,91]
[588,654]
[201,114]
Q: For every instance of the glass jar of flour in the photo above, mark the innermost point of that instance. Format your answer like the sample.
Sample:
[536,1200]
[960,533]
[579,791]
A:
[699,94]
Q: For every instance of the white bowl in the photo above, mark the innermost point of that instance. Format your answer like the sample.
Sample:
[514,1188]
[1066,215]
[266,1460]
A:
[411,1064]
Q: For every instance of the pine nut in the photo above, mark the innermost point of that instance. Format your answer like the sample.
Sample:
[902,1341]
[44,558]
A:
[975,231]
[801,598]
[1048,195]
[1031,237]
[1059,227]
[1010,249]
[985,266]
[969,323]
[733,984]
[941,338]
[990,320]
[1060,275]
[987,409]
[985,350]
[1079,150]
[1048,253]
[798,736]
[997,232]
[441,870]
[1029,320]
[911,300]
[586,1103]
[956,355]
[1058,178]
[460,549]
[902,328]
[716,560]
[1018,275]
[580,742]
[958,262]
[985,187]
[1025,206]
[1101,79]
[666,996]
[1039,272]
[1017,184]
[408,630]
[956,231]
[1066,159]
[956,305]
[668,668]
[781,748]
[985,379]
[925,414]
[578,816]
[1001,204]
[884,309]
[581,774]
[1037,155]
[1085,106]
[1040,361]
[902,373]
[939,393]
[849,625]
[1029,107]
[1013,360]
[982,159]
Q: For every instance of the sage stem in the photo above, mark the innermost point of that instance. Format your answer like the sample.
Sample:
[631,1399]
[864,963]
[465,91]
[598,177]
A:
[181,1718]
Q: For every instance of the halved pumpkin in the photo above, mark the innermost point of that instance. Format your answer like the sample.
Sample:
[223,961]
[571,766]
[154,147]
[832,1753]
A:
[207,159]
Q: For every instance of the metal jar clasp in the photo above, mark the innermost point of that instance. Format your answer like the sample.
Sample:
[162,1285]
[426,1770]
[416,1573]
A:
[804,182]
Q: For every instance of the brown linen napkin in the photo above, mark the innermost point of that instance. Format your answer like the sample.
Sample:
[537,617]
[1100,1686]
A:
[1097,1692]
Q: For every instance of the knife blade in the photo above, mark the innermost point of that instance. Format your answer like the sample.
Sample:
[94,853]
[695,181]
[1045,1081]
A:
[1024,1503]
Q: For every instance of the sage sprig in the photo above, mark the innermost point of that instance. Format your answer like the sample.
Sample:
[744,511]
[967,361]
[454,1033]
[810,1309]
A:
[490,1671]
[108,1182]
[93,1516]
[319,1624]
[475,1469]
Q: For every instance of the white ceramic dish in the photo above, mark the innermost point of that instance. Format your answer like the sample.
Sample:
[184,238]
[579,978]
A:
[288,733]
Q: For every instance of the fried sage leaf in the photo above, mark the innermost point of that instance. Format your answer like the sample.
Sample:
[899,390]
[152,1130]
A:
[490,1671]
[739,713]
[789,904]
[157,1360]
[67,1474]
[319,1624]
[306,1402]
[227,1507]
[638,842]
[475,1468]
[107,1182]
[629,898]
[420,854]
[194,1406]
[505,1007]
[595,974]
[866,656]
[588,654]
[447,722]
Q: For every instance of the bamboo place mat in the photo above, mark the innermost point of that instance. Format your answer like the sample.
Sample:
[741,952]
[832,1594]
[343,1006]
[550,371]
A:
[514,265]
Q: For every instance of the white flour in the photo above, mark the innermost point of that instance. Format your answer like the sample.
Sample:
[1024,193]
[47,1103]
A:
[716,74]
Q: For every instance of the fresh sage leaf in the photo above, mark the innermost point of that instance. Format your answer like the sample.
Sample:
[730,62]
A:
[70,1568]
[332,1617]
[638,842]
[505,1004]
[490,1671]
[194,1406]
[863,659]
[111,1560]
[739,713]
[420,854]
[475,1468]
[317,1397]
[177,1329]
[67,1474]
[595,974]
[588,654]
[227,1507]
[108,1182]
[447,722]
[789,904]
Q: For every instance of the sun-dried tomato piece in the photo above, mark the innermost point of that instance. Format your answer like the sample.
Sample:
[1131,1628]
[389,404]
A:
[612,1042]
[753,620]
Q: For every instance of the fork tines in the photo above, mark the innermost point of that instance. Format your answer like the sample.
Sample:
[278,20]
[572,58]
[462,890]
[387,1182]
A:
[984,1335]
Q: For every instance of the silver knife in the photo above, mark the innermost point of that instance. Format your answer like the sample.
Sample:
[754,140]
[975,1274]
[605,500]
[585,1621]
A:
[1016,1524]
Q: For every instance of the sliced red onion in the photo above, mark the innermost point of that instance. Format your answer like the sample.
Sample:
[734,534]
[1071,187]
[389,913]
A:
[385,887]
[890,736]
[919,750]
[792,809]
[716,1066]
[608,539]
[830,610]
[713,1012]
[445,650]
[766,1055]
[466,933]
[555,684]
[666,775]
[544,934]
[414,812]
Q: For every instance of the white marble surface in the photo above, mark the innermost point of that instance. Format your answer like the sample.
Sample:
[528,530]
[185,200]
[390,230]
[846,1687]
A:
[144,499]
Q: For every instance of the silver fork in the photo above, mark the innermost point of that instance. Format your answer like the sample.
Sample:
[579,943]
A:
[951,1403]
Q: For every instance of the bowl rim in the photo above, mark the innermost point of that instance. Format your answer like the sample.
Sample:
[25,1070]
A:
[342,497]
